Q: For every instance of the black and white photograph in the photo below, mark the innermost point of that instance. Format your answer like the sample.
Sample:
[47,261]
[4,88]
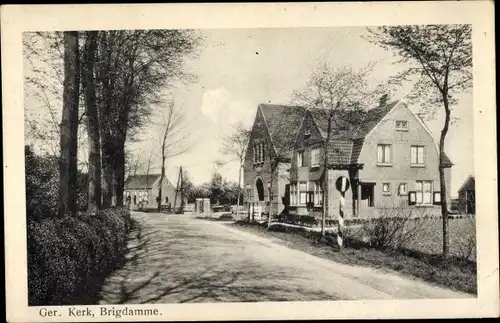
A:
[247,165]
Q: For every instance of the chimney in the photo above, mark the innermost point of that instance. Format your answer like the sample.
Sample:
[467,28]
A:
[383,100]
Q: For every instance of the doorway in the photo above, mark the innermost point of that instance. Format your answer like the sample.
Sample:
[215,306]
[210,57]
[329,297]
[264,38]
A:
[367,194]
[260,189]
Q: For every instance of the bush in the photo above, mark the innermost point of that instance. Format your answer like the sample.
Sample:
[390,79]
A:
[393,228]
[226,217]
[69,257]
[42,186]
[307,220]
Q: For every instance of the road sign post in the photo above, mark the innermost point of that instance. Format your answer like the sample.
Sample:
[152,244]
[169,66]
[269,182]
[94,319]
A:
[342,185]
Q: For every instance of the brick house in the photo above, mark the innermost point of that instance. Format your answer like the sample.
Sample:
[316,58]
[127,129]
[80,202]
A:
[144,190]
[388,154]
[270,146]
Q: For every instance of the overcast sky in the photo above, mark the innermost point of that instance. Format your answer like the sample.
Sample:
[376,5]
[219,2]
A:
[240,68]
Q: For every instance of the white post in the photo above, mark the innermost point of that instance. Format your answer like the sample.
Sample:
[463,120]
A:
[341,220]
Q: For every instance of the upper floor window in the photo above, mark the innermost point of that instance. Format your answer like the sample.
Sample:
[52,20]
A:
[401,125]
[258,153]
[315,157]
[300,159]
[384,154]
[417,155]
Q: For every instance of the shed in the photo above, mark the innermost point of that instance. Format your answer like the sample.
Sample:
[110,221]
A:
[467,196]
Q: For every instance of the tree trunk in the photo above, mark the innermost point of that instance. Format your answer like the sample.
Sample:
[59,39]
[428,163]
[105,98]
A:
[444,206]
[326,188]
[69,127]
[107,173]
[104,121]
[119,172]
[239,193]
[94,179]
[161,184]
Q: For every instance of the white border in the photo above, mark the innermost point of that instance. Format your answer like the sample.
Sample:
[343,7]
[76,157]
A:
[16,19]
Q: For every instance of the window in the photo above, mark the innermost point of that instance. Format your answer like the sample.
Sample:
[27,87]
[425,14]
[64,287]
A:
[258,153]
[437,198]
[384,154]
[249,193]
[302,192]
[423,192]
[300,159]
[417,155]
[315,157]
[318,193]
[293,194]
[403,189]
[386,188]
[401,125]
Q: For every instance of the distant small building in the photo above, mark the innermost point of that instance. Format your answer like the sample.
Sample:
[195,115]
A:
[143,191]
[467,196]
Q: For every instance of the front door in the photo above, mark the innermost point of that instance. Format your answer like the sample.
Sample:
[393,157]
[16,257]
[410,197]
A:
[367,194]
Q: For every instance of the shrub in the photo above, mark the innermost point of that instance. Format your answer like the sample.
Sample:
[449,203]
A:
[393,228]
[307,220]
[42,186]
[68,257]
[226,217]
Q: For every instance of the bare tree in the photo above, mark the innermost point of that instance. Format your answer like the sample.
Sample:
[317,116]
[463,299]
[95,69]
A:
[441,55]
[134,67]
[69,126]
[235,146]
[173,136]
[148,168]
[337,95]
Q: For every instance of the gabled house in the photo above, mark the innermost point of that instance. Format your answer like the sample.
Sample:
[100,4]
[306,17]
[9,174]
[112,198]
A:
[387,153]
[467,196]
[270,148]
[144,191]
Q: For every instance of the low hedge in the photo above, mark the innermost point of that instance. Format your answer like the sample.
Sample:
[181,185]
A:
[69,258]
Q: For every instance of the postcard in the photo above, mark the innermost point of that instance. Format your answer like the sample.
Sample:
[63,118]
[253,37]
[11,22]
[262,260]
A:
[180,162]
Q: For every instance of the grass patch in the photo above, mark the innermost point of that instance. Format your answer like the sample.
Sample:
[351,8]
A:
[454,273]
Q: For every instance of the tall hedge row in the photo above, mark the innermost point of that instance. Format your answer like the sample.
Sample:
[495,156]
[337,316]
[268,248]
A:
[68,258]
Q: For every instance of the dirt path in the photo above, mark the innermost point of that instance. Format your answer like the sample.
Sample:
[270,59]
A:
[177,259]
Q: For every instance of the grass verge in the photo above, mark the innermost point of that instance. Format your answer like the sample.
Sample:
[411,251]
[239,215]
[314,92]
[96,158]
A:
[454,273]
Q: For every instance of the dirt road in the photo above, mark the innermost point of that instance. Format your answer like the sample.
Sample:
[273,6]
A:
[178,259]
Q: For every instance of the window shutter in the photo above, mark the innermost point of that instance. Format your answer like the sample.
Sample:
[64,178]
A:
[412,198]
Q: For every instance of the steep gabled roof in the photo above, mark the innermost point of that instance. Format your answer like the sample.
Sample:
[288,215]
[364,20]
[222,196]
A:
[372,119]
[139,181]
[466,183]
[349,130]
[283,124]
